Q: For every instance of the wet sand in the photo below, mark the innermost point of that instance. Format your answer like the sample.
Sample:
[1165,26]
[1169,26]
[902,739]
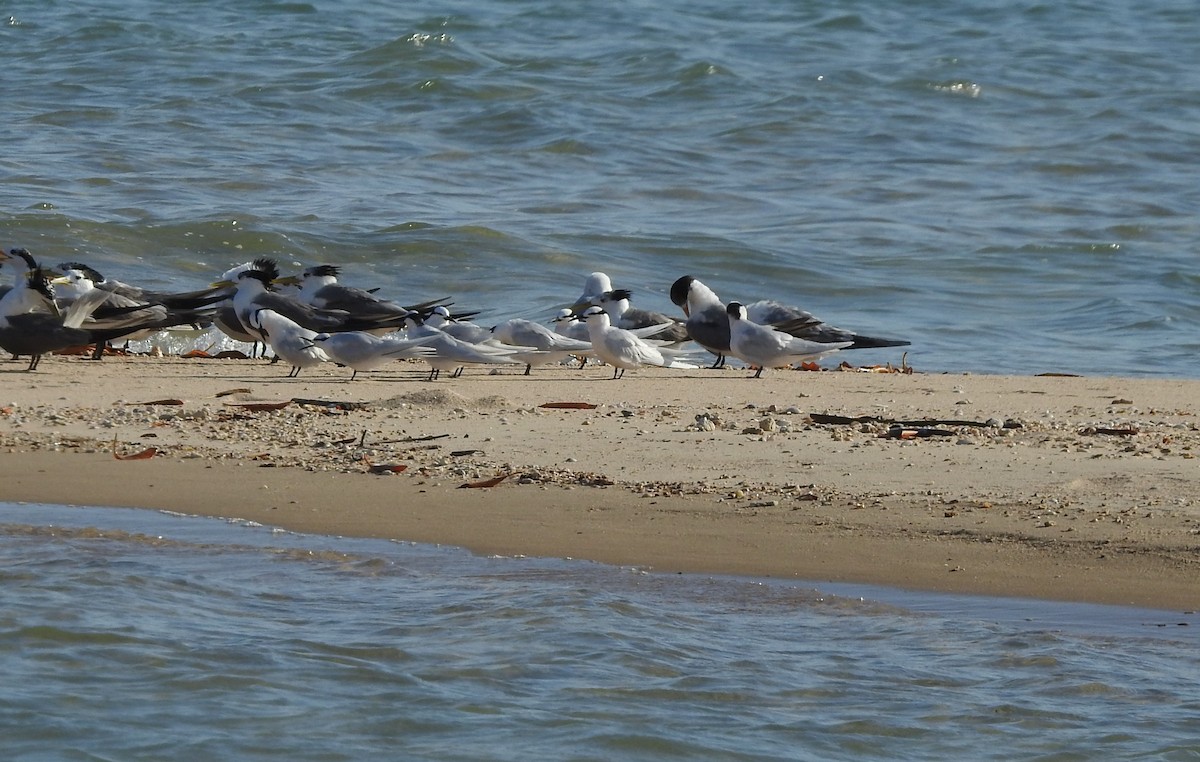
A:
[1083,489]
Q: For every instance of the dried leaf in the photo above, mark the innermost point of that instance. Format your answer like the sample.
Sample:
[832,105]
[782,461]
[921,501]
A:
[485,483]
[386,468]
[162,402]
[569,405]
[195,353]
[79,350]
[146,454]
[239,390]
[232,354]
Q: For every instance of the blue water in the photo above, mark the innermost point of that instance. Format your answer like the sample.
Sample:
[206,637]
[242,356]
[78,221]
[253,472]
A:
[137,635]
[1009,185]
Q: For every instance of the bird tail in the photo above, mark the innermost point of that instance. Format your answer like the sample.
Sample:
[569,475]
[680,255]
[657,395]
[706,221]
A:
[870,342]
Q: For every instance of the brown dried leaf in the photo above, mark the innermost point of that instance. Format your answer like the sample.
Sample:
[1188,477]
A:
[569,405]
[485,483]
[146,454]
[386,468]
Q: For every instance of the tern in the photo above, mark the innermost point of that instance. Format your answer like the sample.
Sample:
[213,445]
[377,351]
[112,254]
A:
[594,286]
[457,327]
[622,315]
[177,300]
[624,349]
[764,346]
[319,287]
[551,346]
[254,291]
[32,324]
[159,312]
[454,354]
[362,350]
[708,321]
[292,342]
[568,323]
[226,319]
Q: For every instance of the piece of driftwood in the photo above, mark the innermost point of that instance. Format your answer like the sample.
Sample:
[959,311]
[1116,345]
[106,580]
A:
[259,407]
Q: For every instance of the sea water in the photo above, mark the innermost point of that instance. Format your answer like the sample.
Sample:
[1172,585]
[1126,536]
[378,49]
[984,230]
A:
[139,635]
[1008,185]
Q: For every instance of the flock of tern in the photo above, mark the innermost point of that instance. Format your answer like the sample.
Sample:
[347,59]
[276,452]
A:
[311,318]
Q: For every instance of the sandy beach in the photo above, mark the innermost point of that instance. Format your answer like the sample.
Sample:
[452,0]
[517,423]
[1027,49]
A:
[1070,488]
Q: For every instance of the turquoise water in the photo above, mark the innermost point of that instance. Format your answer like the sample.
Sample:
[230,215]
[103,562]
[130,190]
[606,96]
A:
[137,635]
[1010,187]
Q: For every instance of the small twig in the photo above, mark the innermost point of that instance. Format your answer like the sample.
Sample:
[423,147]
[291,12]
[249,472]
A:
[847,419]
[406,440]
[901,432]
[1125,432]
[331,404]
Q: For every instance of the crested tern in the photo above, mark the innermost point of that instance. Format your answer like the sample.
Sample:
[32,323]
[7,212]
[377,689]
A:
[708,321]
[319,287]
[158,314]
[254,291]
[31,322]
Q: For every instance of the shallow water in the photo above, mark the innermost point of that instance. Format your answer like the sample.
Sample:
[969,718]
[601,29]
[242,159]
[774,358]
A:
[142,635]
[1009,187]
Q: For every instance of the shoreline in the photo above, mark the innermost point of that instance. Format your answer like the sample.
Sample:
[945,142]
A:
[1090,494]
